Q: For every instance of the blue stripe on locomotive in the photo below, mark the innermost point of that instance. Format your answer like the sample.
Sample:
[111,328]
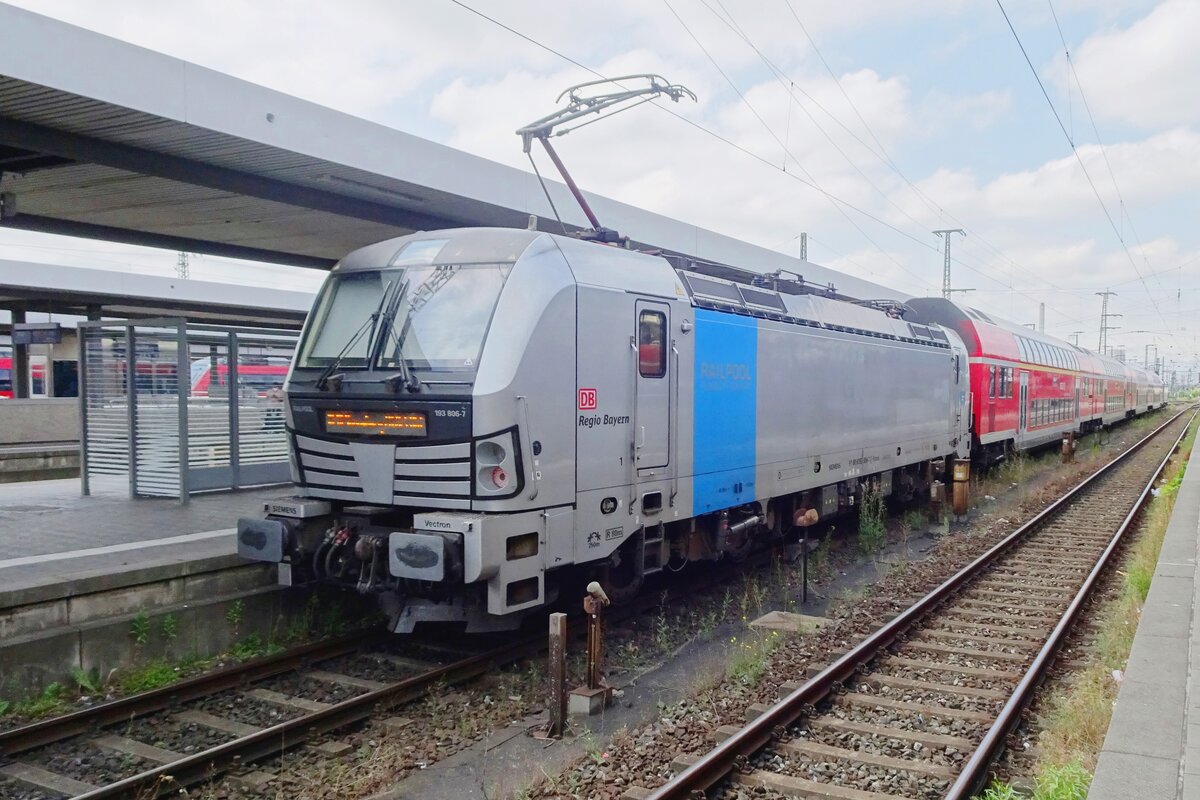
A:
[726,391]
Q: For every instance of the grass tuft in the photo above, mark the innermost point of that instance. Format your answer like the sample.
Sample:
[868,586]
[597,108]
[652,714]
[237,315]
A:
[152,676]
[52,700]
[751,655]
[88,681]
[872,523]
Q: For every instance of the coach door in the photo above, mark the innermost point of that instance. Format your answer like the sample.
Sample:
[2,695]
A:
[1024,400]
[651,345]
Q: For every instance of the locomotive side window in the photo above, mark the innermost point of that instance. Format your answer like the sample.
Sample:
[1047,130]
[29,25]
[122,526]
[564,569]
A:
[652,353]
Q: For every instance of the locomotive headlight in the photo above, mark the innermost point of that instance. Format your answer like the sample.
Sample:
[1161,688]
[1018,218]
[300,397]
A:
[496,473]
[490,452]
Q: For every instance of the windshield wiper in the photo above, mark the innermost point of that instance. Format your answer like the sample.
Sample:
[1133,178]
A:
[405,376]
[370,321]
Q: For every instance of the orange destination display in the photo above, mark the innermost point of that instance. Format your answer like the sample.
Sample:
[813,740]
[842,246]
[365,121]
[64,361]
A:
[375,423]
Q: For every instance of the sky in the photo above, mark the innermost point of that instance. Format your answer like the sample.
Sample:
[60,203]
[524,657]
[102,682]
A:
[1068,151]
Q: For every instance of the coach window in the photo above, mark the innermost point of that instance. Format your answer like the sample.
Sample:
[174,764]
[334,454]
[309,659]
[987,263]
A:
[991,381]
[652,355]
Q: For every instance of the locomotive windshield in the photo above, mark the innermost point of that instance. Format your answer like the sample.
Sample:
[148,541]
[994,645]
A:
[442,314]
[340,325]
[436,317]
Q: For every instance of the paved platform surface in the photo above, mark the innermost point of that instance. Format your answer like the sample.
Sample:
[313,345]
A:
[1152,750]
[51,535]
[38,447]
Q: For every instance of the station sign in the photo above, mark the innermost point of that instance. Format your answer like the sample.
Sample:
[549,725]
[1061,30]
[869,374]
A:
[36,333]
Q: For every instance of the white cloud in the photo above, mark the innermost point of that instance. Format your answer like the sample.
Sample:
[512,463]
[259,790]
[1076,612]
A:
[1145,74]
[1156,168]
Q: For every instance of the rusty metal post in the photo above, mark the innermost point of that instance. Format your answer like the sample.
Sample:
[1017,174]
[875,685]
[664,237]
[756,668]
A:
[1068,447]
[558,675]
[593,606]
[804,570]
[804,518]
[962,484]
[595,696]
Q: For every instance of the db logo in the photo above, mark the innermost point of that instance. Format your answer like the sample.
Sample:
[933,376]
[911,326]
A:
[587,399]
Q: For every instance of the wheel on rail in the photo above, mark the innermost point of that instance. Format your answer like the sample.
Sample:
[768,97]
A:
[621,576]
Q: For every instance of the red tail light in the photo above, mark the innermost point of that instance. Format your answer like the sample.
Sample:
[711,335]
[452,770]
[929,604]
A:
[499,477]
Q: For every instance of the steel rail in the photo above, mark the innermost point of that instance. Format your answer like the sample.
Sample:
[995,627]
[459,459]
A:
[723,759]
[170,778]
[207,764]
[978,769]
[55,729]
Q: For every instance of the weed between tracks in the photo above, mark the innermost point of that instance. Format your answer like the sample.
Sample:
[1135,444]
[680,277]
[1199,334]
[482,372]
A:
[1075,718]
[317,621]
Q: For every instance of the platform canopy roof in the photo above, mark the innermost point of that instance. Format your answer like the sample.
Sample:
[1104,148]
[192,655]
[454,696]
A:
[78,290]
[103,139]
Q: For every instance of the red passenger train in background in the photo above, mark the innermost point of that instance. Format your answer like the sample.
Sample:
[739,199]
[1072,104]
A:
[37,375]
[1028,389]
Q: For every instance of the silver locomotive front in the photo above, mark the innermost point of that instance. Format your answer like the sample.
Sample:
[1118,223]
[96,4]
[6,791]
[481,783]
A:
[429,465]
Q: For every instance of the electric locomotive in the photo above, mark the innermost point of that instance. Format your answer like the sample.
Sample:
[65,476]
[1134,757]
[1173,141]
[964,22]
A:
[479,416]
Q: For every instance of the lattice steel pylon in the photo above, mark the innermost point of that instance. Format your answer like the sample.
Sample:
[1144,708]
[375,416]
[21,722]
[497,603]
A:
[1104,317]
[946,290]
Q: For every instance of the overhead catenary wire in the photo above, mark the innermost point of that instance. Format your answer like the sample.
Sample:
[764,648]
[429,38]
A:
[707,131]
[718,136]
[1078,157]
[1092,120]
[888,161]
[790,87]
[714,134]
[787,152]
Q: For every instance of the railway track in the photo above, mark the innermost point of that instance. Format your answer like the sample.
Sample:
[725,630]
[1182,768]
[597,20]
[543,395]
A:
[921,707]
[231,717]
[106,751]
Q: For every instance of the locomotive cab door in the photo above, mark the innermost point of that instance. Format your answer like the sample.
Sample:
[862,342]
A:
[653,364]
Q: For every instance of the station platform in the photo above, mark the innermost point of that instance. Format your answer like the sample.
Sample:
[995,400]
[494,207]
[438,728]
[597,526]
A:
[56,541]
[38,460]
[1152,749]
